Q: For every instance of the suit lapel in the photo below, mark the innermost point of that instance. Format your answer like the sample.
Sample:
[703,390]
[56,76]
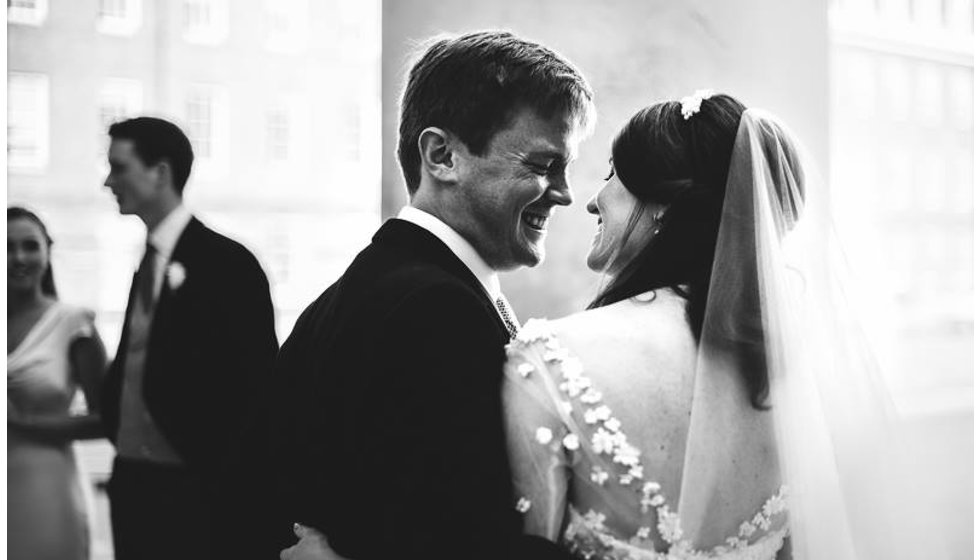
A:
[407,236]
[185,253]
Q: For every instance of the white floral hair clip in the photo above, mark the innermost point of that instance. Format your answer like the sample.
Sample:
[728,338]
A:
[691,105]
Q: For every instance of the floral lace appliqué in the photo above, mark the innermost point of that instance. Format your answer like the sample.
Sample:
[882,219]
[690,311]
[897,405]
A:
[587,535]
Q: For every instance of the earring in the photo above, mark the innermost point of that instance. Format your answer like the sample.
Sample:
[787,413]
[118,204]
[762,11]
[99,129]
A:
[658,222]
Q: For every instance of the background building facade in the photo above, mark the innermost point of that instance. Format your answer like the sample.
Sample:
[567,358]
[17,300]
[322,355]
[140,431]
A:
[280,99]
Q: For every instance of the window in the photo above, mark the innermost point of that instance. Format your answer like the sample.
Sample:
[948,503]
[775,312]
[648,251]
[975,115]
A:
[963,181]
[858,84]
[959,16]
[206,114]
[928,13]
[119,17]
[205,21]
[27,12]
[896,170]
[287,25]
[964,254]
[961,98]
[288,134]
[199,121]
[862,8]
[895,11]
[27,121]
[929,94]
[351,130]
[896,85]
[118,99]
[277,130]
[930,181]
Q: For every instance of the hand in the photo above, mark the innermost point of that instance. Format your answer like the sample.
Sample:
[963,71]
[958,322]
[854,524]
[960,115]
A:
[312,545]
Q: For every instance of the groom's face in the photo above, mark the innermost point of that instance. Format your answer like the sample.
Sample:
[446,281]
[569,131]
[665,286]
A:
[509,193]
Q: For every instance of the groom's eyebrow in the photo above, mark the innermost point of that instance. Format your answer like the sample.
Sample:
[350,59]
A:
[552,154]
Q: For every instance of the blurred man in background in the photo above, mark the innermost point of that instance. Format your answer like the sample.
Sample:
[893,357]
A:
[198,339]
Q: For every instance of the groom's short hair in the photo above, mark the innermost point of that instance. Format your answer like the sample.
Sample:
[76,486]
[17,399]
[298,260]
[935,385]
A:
[473,84]
[155,140]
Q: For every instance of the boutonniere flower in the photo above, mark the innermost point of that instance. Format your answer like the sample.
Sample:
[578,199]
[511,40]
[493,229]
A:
[176,275]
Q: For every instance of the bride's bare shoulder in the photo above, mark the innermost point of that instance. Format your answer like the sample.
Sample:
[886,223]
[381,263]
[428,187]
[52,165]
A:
[658,315]
[636,350]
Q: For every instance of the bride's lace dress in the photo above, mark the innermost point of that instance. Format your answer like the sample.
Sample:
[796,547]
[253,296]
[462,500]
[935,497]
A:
[585,479]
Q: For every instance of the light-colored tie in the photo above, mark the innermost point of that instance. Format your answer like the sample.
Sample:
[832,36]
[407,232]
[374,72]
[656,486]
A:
[507,314]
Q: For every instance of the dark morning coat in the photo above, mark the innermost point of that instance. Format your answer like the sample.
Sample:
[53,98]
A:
[387,431]
[211,350]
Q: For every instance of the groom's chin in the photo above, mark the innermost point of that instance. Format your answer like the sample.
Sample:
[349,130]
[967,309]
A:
[532,257]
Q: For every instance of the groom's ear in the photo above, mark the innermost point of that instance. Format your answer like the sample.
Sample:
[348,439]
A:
[439,158]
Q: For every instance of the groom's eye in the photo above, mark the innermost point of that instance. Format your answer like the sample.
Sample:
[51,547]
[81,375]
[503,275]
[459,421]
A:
[550,169]
[539,169]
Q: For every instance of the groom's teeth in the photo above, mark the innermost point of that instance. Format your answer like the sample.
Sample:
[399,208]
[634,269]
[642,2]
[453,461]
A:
[537,222]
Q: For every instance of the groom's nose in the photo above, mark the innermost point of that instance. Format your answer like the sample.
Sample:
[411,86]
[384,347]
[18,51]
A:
[559,192]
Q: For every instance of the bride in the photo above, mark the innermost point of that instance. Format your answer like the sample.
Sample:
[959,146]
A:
[609,410]
[716,400]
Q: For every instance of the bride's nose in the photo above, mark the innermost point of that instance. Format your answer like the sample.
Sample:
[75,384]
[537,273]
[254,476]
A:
[592,207]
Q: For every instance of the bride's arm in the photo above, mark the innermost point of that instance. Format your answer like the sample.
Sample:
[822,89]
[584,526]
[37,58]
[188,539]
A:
[88,359]
[534,434]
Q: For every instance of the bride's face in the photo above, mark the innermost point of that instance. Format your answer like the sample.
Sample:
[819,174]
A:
[615,243]
[27,255]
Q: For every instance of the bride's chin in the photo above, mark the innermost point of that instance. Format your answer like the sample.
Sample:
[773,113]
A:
[594,260]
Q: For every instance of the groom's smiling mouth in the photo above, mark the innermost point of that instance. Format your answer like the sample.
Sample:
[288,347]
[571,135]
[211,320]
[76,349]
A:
[537,222]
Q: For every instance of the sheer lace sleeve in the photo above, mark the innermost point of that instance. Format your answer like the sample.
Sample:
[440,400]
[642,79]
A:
[537,436]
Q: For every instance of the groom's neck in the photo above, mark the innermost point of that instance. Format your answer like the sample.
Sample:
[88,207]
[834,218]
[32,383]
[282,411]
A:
[436,207]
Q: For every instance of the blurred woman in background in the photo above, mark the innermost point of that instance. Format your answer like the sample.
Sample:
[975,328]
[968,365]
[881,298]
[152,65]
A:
[53,350]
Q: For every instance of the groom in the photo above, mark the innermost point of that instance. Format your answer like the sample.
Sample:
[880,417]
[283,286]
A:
[387,435]
[197,341]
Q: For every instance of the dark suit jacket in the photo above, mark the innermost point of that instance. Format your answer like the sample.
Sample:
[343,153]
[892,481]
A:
[212,346]
[387,431]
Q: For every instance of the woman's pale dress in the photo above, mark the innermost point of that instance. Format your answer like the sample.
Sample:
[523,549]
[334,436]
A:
[47,511]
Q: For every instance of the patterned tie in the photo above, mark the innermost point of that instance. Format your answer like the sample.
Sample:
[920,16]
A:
[507,314]
[145,276]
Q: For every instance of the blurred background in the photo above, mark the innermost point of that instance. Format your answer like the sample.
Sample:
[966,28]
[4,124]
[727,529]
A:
[291,106]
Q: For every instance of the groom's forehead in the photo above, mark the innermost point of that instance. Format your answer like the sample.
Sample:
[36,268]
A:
[533,136]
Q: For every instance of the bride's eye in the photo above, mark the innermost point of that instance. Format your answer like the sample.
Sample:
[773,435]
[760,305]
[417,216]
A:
[610,174]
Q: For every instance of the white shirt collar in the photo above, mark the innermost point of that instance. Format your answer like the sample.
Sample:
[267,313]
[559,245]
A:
[458,245]
[164,237]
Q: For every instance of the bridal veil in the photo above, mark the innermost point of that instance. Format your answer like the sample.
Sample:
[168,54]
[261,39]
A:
[777,304]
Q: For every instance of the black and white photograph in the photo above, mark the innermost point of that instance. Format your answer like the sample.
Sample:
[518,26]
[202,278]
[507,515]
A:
[490,280]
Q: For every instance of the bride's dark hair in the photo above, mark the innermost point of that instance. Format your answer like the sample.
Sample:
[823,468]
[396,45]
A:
[662,158]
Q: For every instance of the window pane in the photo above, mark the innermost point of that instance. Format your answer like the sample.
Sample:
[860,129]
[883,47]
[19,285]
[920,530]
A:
[27,120]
